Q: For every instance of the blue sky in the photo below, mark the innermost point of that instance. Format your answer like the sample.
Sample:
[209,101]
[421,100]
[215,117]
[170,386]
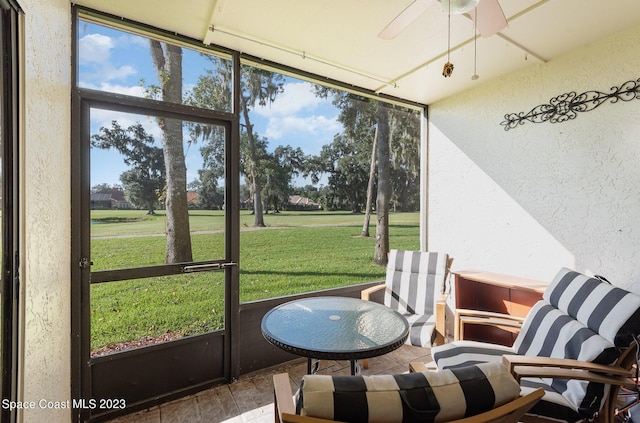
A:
[116,61]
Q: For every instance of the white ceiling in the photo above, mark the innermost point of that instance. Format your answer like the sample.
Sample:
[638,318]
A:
[339,39]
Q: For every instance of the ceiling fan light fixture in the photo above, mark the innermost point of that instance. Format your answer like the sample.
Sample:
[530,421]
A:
[459,6]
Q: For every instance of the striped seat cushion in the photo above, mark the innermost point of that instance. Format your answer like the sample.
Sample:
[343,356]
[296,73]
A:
[414,282]
[412,397]
[549,332]
[554,404]
[465,353]
[421,329]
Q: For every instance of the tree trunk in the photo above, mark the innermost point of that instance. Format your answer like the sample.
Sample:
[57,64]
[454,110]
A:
[168,65]
[384,188]
[255,178]
[372,173]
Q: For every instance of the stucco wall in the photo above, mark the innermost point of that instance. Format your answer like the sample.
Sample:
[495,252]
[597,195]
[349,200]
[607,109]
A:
[45,162]
[541,196]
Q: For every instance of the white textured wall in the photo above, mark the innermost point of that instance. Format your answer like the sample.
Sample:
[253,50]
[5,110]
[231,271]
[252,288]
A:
[541,196]
[46,212]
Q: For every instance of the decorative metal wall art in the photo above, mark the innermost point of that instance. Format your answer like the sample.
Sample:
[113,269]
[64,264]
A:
[567,106]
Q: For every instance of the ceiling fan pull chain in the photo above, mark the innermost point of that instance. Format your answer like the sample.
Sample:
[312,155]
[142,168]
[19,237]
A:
[475,75]
[448,67]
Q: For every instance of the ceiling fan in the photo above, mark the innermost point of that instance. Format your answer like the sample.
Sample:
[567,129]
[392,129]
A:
[488,15]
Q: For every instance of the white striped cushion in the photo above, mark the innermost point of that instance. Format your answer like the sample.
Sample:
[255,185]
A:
[426,397]
[549,332]
[414,283]
[610,311]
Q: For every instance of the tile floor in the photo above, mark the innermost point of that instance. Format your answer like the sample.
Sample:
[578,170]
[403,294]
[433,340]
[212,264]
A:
[250,399]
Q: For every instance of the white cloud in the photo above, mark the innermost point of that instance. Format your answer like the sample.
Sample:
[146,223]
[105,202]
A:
[296,114]
[121,72]
[107,72]
[295,98]
[302,125]
[95,48]
[136,90]
[95,59]
[133,40]
[132,90]
[104,118]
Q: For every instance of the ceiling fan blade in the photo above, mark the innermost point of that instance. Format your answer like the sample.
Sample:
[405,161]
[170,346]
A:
[491,18]
[400,22]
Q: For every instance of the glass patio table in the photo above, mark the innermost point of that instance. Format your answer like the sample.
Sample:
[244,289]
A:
[334,328]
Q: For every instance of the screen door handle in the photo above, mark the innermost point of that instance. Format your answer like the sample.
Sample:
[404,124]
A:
[206,267]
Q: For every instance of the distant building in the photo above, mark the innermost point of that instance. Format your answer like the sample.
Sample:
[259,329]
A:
[109,199]
[297,202]
[192,199]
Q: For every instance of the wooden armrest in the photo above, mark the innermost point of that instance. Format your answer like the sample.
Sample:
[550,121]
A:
[284,408]
[421,367]
[524,360]
[509,412]
[283,398]
[294,418]
[527,366]
[365,293]
[417,367]
[441,320]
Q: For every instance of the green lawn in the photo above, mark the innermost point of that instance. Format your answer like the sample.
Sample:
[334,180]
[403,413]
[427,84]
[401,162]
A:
[136,222]
[298,252]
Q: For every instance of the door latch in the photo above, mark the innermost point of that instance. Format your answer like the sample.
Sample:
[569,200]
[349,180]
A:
[85,263]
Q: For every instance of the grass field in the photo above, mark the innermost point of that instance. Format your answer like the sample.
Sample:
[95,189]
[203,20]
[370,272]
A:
[297,252]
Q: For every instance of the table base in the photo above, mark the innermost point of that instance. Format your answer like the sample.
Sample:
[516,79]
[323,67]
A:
[313,365]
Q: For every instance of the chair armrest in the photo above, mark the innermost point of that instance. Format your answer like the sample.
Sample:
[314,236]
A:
[509,412]
[528,366]
[294,418]
[441,320]
[282,396]
[366,293]
[421,367]
[417,367]
[284,408]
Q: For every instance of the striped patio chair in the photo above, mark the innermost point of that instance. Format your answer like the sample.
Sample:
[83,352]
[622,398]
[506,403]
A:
[581,323]
[414,286]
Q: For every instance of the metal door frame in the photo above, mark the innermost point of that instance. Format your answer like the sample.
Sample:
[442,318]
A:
[85,370]
[9,89]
